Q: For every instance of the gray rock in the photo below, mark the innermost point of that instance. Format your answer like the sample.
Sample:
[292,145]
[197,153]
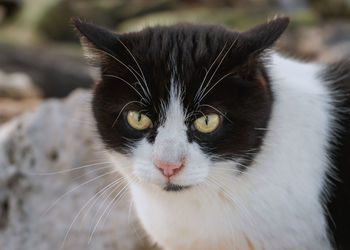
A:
[328,42]
[55,72]
[17,85]
[38,151]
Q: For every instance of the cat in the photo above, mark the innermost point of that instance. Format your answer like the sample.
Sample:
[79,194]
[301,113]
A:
[226,143]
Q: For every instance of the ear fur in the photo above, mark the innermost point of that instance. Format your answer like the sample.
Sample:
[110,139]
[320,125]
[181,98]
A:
[263,36]
[99,44]
[253,42]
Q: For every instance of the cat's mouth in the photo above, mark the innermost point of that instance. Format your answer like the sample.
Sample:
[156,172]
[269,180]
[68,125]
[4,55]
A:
[170,187]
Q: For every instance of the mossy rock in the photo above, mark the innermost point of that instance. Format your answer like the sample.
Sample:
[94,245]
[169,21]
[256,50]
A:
[332,8]
[55,23]
[238,19]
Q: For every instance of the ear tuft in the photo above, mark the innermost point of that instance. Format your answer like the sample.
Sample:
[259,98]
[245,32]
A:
[97,42]
[264,35]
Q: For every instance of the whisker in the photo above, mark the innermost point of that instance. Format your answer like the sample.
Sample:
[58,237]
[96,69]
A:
[216,83]
[111,185]
[144,81]
[102,204]
[207,72]
[129,68]
[138,65]
[75,188]
[89,172]
[80,211]
[217,110]
[115,203]
[123,110]
[222,59]
[123,80]
[70,170]
[103,213]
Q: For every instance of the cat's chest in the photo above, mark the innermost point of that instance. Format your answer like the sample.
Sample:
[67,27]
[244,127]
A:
[211,220]
[188,222]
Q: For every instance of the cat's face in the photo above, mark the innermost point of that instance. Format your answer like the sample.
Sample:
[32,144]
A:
[184,100]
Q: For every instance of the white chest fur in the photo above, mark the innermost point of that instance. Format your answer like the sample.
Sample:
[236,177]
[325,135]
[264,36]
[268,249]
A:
[276,204]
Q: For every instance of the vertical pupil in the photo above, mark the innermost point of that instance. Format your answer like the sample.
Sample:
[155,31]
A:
[139,117]
[206,120]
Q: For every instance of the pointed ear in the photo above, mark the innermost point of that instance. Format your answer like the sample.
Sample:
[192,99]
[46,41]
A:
[263,36]
[100,45]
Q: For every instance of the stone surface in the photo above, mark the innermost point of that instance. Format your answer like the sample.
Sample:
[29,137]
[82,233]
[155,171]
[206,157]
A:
[53,70]
[17,95]
[327,42]
[38,150]
[17,85]
[10,108]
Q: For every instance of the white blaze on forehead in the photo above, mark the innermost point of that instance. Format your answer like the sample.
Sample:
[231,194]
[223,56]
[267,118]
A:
[171,142]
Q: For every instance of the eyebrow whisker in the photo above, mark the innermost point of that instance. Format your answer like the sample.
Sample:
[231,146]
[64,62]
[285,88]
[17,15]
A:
[115,121]
[128,83]
[221,61]
[217,110]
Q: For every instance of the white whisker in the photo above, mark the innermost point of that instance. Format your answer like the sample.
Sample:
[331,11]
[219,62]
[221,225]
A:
[102,203]
[207,72]
[212,87]
[217,110]
[117,182]
[104,212]
[138,65]
[70,170]
[75,188]
[130,84]
[123,110]
[131,71]
[81,210]
[222,59]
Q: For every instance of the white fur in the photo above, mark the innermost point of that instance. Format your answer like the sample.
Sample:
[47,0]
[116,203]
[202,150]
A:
[275,205]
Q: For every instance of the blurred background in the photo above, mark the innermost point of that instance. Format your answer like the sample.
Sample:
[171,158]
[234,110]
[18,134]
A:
[41,130]
[38,46]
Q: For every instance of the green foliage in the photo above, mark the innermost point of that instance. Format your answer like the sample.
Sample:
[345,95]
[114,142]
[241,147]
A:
[331,8]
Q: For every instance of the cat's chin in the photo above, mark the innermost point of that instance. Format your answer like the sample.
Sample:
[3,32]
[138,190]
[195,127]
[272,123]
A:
[171,187]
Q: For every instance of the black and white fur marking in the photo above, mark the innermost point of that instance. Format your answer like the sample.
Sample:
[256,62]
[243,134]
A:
[260,180]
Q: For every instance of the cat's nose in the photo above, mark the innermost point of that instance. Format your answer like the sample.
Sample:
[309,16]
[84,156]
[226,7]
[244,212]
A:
[169,169]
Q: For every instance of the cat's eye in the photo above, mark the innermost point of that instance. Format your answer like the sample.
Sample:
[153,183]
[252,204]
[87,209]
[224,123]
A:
[207,123]
[138,120]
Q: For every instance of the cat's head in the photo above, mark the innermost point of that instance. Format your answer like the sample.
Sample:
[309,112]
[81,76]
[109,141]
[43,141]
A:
[183,101]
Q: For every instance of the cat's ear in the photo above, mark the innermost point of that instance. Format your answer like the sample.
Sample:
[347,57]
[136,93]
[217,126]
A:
[262,36]
[100,45]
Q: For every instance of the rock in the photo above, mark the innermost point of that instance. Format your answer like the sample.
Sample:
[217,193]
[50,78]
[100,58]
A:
[17,85]
[332,9]
[38,151]
[55,72]
[10,108]
[236,19]
[17,95]
[8,8]
[327,42]
[53,24]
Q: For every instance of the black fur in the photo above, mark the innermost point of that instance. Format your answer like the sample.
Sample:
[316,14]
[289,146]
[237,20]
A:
[245,98]
[174,188]
[338,76]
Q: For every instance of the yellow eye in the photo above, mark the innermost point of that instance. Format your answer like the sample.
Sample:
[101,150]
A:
[138,121]
[207,123]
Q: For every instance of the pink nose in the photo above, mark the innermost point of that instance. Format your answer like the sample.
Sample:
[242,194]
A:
[169,169]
